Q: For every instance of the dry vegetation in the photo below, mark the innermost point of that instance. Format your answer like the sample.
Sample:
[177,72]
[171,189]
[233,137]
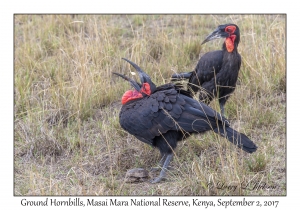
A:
[68,140]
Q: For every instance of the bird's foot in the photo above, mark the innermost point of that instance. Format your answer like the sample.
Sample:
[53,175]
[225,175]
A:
[154,169]
[162,174]
[157,179]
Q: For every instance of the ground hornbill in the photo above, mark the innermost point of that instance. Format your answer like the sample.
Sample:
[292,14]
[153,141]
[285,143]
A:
[216,71]
[161,116]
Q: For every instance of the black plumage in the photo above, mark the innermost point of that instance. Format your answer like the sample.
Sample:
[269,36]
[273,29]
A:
[217,72]
[162,116]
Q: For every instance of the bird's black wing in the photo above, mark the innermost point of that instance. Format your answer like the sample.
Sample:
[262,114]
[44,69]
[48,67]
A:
[166,110]
[208,66]
[153,115]
[198,117]
[224,80]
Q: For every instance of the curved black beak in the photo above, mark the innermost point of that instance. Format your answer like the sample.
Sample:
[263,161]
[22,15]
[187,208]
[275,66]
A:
[216,34]
[143,76]
[133,83]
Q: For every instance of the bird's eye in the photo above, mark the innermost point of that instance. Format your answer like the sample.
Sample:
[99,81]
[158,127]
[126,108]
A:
[230,29]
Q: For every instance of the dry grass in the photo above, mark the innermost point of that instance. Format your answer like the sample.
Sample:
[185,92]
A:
[68,140]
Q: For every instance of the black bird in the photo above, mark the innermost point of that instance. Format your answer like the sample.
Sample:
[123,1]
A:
[162,116]
[216,71]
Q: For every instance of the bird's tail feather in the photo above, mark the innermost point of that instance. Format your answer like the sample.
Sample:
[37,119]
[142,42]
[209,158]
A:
[181,76]
[239,139]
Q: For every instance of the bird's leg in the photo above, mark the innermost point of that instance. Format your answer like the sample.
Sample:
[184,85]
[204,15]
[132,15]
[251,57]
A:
[164,168]
[222,104]
[162,160]
[161,163]
[222,109]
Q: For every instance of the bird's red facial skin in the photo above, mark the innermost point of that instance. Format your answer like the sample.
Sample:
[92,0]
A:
[131,95]
[230,29]
[230,40]
[230,43]
[146,89]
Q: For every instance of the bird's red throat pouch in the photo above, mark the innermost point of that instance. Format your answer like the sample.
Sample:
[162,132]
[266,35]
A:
[131,95]
[230,43]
